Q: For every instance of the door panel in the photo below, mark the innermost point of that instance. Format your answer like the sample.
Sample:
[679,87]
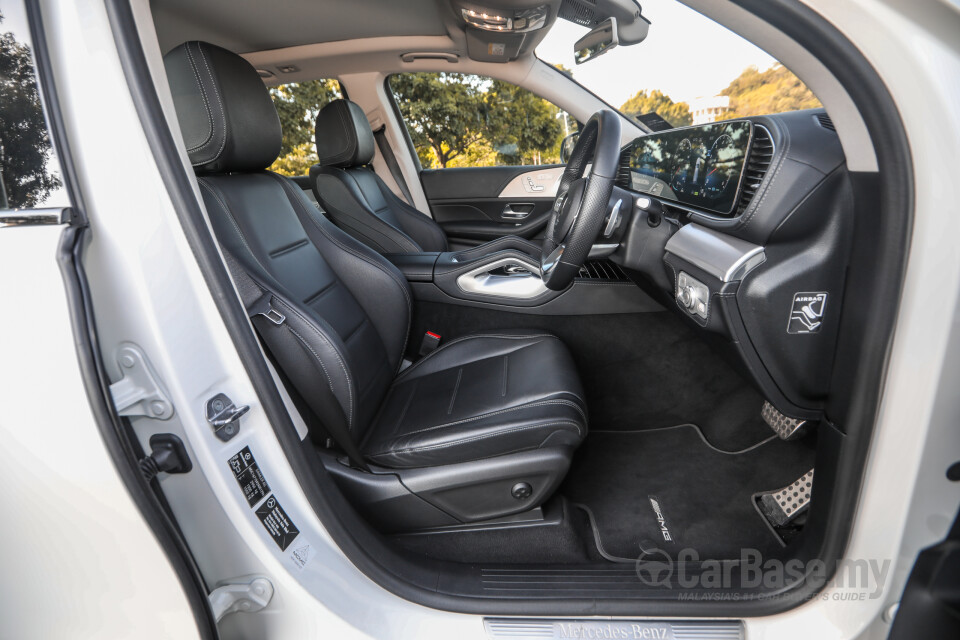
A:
[478,204]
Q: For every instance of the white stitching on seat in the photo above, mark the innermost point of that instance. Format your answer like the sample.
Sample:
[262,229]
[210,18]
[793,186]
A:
[471,337]
[216,92]
[295,201]
[214,192]
[203,95]
[531,405]
[336,351]
[462,441]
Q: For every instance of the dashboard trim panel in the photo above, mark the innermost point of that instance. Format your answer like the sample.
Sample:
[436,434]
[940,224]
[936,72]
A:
[724,257]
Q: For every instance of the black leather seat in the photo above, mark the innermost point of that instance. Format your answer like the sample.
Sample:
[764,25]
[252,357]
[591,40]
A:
[355,197]
[336,315]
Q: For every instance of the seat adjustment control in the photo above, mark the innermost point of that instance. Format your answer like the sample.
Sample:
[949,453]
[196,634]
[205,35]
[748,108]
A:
[521,490]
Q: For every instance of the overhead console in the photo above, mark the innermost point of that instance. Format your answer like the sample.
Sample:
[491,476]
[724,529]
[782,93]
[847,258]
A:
[744,228]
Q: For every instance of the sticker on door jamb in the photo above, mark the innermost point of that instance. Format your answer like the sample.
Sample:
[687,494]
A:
[806,314]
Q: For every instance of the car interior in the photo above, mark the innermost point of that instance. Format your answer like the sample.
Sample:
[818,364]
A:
[523,381]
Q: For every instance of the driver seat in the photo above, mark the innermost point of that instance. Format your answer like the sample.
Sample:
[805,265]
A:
[355,197]
[482,427]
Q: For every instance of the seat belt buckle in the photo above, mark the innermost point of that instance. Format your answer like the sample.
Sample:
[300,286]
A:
[274,316]
[430,342]
[263,306]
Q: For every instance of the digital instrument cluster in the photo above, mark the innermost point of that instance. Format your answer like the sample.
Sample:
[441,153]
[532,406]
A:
[698,166]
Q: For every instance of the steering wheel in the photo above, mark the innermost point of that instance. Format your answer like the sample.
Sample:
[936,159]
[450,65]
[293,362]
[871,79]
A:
[581,204]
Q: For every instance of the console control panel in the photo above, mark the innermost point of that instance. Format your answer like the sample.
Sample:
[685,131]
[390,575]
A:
[692,295]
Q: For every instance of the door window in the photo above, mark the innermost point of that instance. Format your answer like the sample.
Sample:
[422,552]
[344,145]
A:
[30,175]
[298,105]
[461,120]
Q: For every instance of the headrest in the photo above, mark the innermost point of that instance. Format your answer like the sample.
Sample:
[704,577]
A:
[226,115]
[343,135]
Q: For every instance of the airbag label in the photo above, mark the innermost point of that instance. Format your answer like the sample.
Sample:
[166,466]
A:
[806,314]
[277,523]
[249,476]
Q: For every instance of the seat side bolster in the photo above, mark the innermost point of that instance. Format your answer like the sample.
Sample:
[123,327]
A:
[376,284]
[416,224]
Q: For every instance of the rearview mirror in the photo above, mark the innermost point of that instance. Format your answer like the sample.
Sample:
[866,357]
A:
[601,39]
[566,147]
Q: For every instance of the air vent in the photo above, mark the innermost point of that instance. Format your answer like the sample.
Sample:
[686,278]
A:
[761,155]
[623,171]
[602,270]
[825,121]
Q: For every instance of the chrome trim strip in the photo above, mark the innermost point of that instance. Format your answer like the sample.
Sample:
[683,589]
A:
[480,281]
[724,257]
[35,217]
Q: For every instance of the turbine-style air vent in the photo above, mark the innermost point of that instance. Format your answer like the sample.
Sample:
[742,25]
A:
[761,155]
[825,121]
[623,172]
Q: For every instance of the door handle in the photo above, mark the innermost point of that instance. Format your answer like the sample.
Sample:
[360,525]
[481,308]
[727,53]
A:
[517,214]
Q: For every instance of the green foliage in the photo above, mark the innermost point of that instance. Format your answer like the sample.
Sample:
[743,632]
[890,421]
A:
[24,142]
[775,90]
[676,113]
[298,105]
[464,120]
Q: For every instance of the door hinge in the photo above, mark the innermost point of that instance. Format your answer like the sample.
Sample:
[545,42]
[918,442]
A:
[139,392]
[242,596]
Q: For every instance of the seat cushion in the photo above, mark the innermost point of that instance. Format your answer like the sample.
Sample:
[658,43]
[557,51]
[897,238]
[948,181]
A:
[478,397]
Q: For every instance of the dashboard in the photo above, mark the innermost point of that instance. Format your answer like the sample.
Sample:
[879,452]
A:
[743,228]
[700,166]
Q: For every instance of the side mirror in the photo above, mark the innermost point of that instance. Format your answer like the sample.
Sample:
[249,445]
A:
[566,147]
[601,39]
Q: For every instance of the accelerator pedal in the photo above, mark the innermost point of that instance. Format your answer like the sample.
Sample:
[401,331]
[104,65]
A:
[786,428]
[783,505]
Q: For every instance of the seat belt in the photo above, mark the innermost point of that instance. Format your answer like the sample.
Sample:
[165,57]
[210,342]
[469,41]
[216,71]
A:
[269,322]
[380,135]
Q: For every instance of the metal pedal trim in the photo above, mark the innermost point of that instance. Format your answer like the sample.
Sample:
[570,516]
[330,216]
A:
[783,505]
[785,427]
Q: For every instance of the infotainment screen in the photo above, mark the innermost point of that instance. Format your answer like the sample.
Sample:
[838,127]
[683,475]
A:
[697,166]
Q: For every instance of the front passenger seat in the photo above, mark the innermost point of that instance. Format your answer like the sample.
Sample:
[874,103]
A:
[484,426]
[355,197]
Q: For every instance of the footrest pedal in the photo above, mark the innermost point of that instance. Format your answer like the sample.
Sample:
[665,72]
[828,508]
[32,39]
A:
[785,427]
[783,505]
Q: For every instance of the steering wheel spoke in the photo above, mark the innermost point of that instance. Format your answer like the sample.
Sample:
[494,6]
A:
[580,208]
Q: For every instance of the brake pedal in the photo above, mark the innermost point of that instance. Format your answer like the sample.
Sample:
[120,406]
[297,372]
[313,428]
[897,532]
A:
[786,428]
[783,505]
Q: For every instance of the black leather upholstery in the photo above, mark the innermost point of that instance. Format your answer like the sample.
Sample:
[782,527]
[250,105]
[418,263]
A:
[355,197]
[226,124]
[475,396]
[343,135]
[347,309]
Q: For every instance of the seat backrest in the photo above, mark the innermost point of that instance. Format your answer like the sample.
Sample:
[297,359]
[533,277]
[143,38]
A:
[348,308]
[355,197]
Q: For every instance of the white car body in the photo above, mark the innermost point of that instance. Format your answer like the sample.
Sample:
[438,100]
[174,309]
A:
[80,561]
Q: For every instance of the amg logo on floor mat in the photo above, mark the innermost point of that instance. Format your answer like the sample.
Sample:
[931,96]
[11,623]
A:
[658,512]
[806,314]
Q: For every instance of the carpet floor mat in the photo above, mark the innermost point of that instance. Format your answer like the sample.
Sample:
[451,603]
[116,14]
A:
[670,489]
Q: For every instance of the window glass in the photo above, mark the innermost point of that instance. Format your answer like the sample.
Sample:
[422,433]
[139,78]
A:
[689,70]
[30,175]
[460,120]
[298,105]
